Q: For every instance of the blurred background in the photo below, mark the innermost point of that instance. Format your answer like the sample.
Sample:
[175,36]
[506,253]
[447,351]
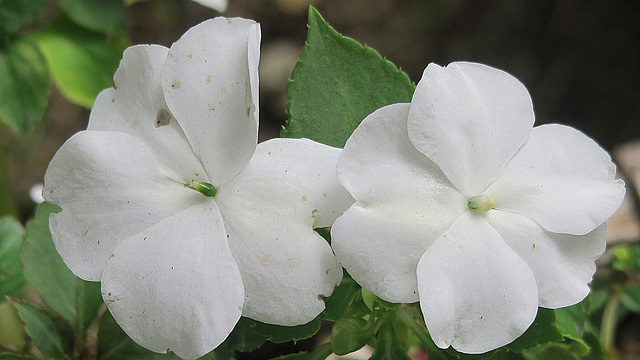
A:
[580,60]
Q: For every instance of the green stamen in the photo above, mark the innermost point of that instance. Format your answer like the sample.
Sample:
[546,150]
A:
[202,187]
[480,203]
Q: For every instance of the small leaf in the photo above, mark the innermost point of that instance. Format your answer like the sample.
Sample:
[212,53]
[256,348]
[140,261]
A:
[348,335]
[50,332]
[319,353]
[282,334]
[77,300]
[336,84]
[338,303]
[388,347]
[24,85]
[11,278]
[82,62]
[16,13]
[543,330]
[105,16]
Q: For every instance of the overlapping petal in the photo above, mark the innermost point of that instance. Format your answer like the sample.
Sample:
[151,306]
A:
[476,293]
[211,87]
[562,264]
[404,204]
[270,210]
[561,179]
[137,107]
[187,294]
[469,119]
[109,188]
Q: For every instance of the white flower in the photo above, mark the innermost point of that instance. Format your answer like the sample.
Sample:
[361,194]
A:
[462,205]
[179,267]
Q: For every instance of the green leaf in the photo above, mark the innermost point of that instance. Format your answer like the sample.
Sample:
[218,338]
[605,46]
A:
[555,352]
[282,334]
[114,344]
[82,62]
[105,16]
[11,278]
[51,333]
[388,347]
[627,258]
[24,85]
[337,83]
[75,299]
[630,298]
[16,13]
[15,357]
[570,320]
[543,330]
[319,353]
[338,303]
[243,338]
[349,335]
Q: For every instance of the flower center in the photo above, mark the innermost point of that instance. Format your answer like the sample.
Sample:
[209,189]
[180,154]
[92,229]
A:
[204,188]
[480,203]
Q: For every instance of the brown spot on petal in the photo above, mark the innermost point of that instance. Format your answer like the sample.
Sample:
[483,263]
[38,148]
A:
[163,118]
[209,77]
[248,111]
[304,197]
[175,84]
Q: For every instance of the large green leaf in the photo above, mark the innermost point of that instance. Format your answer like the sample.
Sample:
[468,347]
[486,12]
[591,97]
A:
[15,13]
[51,333]
[105,16]
[281,334]
[337,83]
[82,62]
[338,303]
[24,85]
[77,300]
[11,278]
[543,330]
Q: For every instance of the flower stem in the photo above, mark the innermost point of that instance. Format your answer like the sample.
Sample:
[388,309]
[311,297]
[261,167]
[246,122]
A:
[608,328]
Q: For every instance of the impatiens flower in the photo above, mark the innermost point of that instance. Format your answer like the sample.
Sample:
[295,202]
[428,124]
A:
[463,206]
[169,203]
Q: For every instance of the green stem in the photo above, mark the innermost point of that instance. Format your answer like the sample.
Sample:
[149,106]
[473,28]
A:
[608,328]
[434,352]
[7,206]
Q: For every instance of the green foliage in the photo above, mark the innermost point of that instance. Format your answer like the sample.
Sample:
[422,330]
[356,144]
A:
[105,16]
[24,85]
[630,298]
[319,353]
[543,330]
[388,347]
[82,62]
[282,334]
[338,303]
[627,258]
[16,13]
[76,300]
[11,278]
[51,333]
[336,84]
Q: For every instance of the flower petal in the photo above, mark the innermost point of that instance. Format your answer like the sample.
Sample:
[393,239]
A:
[469,119]
[217,5]
[176,286]
[562,180]
[562,264]
[476,293]
[210,81]
[270,210]
[138,108]
[404,204]
[109,188]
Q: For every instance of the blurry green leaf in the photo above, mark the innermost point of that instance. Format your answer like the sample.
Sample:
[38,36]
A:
[570,320]
[281,334]
[319,353]
[543,330]
[75,299]
[388,347]
[16,13]
[630,298]
[342,297]
[48,330]
[555,352]
[243,338]
[627,258]
[11,278]
[82,62]
[336,84]
[105,16]
[24,85]
[15,357]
